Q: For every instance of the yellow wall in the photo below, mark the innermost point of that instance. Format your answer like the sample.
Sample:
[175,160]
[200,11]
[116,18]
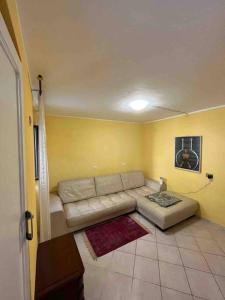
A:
[159,158]
[84,147]
[9,12]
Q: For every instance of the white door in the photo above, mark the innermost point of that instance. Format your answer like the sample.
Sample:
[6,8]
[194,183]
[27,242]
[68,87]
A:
[13,245]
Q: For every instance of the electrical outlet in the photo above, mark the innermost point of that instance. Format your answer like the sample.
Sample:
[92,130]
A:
[209,176]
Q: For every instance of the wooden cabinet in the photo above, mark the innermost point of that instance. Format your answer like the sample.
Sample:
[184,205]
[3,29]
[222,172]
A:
[60,270]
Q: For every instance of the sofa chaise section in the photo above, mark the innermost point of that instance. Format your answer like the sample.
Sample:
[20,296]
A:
[166,217]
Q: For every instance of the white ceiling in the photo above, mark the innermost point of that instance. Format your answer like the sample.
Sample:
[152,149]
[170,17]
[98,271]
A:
[97,55]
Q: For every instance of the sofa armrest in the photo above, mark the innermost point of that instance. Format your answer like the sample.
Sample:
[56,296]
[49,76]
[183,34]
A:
[58,220]
[155,185]
[55,204]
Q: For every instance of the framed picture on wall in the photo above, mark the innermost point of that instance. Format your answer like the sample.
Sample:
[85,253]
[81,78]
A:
[188,153]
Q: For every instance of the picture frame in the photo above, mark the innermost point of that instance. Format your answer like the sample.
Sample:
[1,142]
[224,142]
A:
[188,154]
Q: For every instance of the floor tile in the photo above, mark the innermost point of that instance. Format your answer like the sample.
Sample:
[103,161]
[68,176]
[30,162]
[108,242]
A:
[146,269]
[128,248]
[146,249]
[188,242]
[221,243]
[142,219]
[84,252]
[221,283]
[194,259]
[103,261]
[197,221]
[203,285]
[218,233]
[201,233]
[169,254]
[93,281]
[209,246]
[135,215]
[116,287]
[151,236]
[174,277]
[212,226]
[216,263]
[168,294]
[181,229]
[122,263]
[146,222]
[142,290]
[193,221]
[165,238]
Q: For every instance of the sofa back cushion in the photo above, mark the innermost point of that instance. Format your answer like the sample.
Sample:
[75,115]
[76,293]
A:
[132,180]
[75,190]
[108,184]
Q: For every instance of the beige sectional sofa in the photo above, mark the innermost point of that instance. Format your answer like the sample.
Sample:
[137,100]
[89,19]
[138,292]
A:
[80,203]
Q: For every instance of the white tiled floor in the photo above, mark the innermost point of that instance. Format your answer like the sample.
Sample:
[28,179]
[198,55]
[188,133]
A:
[186,262]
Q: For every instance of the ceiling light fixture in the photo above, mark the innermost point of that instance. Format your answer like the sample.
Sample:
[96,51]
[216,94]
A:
[138,105]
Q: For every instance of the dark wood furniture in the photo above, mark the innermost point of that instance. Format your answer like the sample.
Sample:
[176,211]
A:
[59,274]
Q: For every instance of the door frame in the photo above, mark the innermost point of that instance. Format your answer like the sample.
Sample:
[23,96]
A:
[10,51]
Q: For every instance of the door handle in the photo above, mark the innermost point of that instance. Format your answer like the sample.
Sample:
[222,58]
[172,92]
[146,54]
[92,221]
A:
[29,217]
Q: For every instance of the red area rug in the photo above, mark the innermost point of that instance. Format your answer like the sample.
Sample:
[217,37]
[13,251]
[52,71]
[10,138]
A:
[106,237]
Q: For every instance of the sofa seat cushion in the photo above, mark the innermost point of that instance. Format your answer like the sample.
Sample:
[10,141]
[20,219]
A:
[94,209]
[109,184]
[76,190]
[166,217]
[142,191]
